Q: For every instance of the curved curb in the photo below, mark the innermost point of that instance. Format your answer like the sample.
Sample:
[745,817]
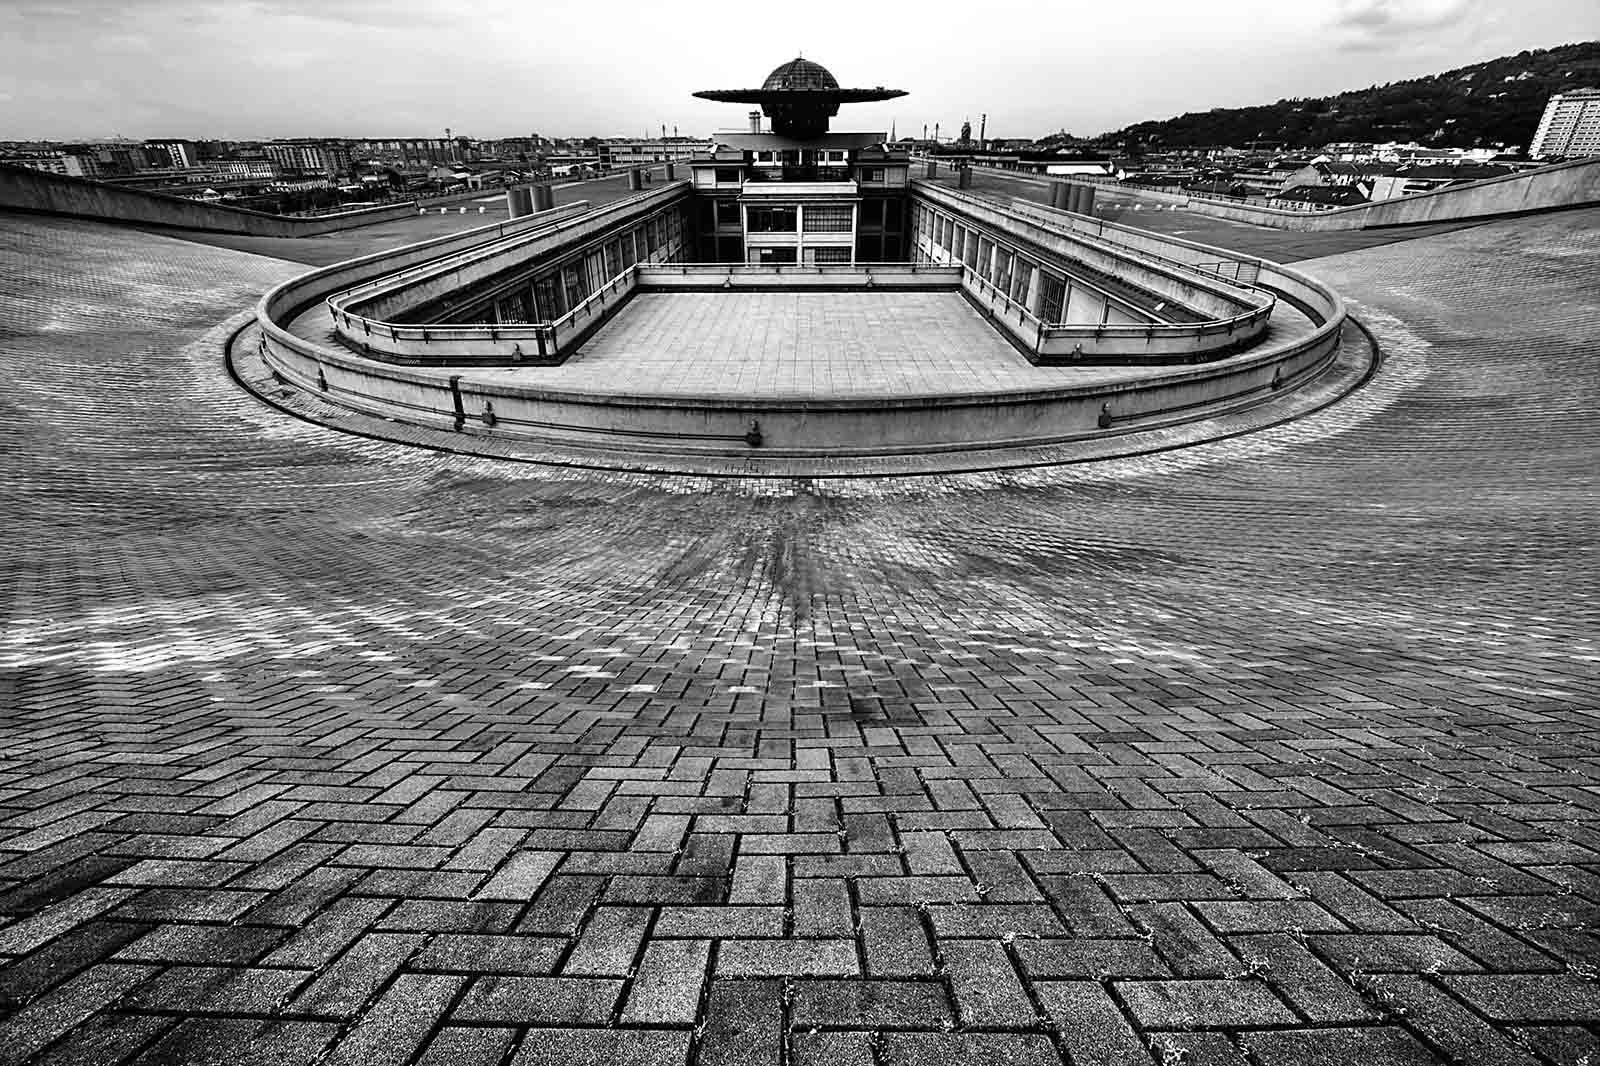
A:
[1354,364]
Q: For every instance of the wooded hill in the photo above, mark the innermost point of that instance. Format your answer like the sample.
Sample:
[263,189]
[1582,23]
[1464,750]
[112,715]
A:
[1497,102]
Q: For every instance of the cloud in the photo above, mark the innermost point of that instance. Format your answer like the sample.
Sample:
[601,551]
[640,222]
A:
[1378,25]
[1401,15]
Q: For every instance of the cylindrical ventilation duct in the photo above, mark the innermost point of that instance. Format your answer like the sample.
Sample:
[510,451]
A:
[519,201]
[1075,198]
[544,198]
[1087,207]
[672,172]
[635,182]
[755,122]
[933,169]
[1060,194]
[964,177]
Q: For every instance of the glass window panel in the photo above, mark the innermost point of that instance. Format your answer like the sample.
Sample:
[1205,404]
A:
[772,219]
[828,218]
[1052,293]
[1021,276]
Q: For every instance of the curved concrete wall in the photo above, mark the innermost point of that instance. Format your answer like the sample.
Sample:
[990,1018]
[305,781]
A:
[22,189]
[1552,188]
[818,429]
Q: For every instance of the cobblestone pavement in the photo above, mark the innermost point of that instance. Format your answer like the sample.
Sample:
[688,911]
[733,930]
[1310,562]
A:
[1281,749]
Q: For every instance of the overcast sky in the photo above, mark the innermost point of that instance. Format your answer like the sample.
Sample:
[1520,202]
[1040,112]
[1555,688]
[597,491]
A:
[495,68]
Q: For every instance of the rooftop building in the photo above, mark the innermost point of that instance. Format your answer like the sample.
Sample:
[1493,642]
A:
[800,193]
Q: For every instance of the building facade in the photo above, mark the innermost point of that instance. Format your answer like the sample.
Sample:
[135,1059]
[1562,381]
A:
[1570,127]
[800,193]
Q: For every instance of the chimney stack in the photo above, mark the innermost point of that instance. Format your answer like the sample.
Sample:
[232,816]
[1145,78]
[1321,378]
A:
[755,122]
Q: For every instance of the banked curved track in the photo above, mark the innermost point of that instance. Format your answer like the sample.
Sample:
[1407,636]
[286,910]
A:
[1277,749]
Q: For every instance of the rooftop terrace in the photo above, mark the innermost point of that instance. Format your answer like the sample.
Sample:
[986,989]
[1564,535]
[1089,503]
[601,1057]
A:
[1277,749]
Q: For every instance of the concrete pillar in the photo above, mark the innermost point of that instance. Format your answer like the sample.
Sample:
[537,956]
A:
[635,181]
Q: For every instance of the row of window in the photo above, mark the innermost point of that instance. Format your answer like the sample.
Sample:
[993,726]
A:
[874,213]
[997,263]
[779,256]
[865,175]
[560,290]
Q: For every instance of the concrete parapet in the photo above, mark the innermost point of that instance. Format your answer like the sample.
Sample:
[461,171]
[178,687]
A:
[22,189]
[1553,188]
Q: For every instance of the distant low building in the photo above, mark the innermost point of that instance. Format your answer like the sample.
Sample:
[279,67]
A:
[620,154]
[1409,181]
[1318,197]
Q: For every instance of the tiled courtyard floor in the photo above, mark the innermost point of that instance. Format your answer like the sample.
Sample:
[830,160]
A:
[1283,749]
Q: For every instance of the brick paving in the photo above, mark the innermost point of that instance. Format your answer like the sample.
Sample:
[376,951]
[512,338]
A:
[1281,749]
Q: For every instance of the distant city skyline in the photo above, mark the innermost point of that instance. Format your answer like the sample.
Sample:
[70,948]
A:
[91,69]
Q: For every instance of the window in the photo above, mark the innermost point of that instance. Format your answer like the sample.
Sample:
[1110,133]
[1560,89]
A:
[872,174]
[830,255]
[827,218]
[730,250]
[708,215]
[628,255]
[1002,271]
[985,263]
[727,212]
[572,283]
[774,255]
[872,213]
[891,214]
[727,175]
[772,219]
[1020,278]
[547,298]
[1052,295]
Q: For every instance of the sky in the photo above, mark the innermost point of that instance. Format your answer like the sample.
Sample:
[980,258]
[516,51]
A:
[84,69]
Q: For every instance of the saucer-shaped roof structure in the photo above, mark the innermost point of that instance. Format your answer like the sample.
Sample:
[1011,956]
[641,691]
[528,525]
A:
[800,97]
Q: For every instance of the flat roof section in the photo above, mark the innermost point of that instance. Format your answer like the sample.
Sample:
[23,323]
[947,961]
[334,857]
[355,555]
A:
[799,345]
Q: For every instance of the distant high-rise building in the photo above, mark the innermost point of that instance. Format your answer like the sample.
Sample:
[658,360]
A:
[1570,126]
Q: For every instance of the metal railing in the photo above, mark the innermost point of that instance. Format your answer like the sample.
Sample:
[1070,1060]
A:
[1105,234]
[361,328]
[797,269]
